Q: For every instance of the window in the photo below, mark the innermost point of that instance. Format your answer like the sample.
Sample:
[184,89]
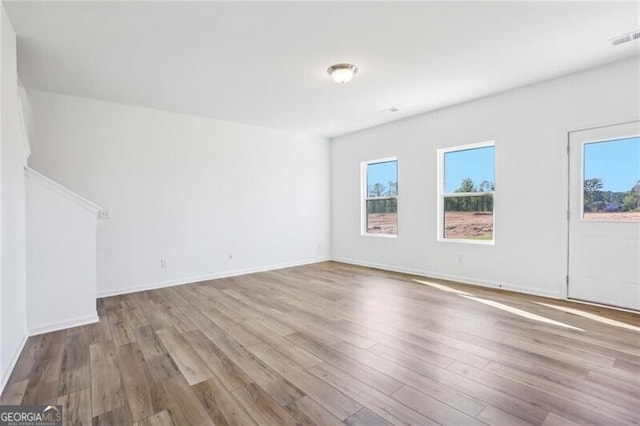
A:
[611,180]
[380,200]
[466,193]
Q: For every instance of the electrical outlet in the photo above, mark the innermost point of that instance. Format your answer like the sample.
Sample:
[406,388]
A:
[163,264]
[460,259]
[230,256]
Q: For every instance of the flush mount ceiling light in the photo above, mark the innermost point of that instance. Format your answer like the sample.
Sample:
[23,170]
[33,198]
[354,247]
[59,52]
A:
[342,73]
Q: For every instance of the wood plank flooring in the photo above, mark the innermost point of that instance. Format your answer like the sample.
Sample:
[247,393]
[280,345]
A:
[335,344]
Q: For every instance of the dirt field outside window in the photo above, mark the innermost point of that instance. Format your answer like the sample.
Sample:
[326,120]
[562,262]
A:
[468,225]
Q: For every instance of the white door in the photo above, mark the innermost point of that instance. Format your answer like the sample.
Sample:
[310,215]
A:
[604,215]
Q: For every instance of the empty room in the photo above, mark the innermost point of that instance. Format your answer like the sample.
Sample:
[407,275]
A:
[319,213]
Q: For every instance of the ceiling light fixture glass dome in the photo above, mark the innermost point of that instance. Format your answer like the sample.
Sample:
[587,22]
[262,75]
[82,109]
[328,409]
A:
[342,73]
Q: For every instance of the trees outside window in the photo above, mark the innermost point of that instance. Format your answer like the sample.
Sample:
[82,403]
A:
[611,180]
[466,190]
[380,200]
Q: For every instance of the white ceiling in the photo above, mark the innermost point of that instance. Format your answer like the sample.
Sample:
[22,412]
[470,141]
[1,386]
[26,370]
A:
[265,63]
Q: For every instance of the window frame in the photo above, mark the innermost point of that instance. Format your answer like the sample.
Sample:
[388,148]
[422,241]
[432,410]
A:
[442,195]
[364,197]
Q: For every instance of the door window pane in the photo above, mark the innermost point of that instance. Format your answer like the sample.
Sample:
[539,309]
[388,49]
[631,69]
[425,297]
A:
[611,180]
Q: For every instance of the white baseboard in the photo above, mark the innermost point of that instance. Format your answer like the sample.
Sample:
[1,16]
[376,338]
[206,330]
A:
[60,325]
[214,276]
[14,360]
[456,278]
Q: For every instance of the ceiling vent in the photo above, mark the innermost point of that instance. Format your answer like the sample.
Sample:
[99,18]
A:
[625,38]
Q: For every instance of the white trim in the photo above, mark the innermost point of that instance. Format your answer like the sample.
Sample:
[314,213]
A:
[600,305]
[441,195]
[389,197]
[370,234]
[364,191]
[381,160]
[469,240]
[468,146]
[64,324]
[456,278]
[61,190]
[12,365]
[207,277]
[26,140]
[468,194]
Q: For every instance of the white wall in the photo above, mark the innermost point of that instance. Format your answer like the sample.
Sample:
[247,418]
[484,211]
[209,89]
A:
[4,365]
[186,189]
[13,252]
[26,118]
[61,256]
[529,126]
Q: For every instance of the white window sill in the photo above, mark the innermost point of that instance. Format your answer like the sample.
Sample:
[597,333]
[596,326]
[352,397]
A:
[392,236]
[468,241]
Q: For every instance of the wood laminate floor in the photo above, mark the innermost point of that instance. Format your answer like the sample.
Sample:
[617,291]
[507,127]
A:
[334,344]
